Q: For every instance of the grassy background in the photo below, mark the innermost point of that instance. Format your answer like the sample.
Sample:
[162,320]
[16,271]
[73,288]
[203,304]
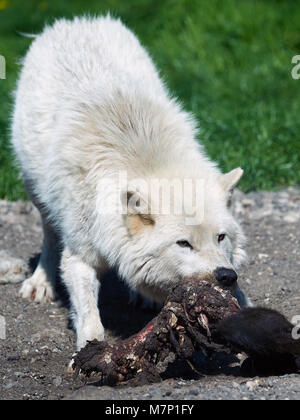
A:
[229,61]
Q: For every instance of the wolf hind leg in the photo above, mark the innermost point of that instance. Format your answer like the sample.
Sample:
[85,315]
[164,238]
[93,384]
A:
[40,286]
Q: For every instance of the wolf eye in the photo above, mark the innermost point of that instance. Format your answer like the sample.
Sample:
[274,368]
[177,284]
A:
[221,237]
[184,244]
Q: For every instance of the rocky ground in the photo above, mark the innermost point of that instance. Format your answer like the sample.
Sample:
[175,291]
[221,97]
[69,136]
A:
[37,343]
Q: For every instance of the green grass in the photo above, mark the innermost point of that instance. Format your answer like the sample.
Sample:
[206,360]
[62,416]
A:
[229,62]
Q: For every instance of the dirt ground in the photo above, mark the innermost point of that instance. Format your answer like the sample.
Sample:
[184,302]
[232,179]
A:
[38,342]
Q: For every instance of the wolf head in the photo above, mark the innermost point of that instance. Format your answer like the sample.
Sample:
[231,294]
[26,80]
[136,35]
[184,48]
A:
[198,237]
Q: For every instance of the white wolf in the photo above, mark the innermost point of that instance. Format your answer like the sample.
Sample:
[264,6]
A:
[89,106]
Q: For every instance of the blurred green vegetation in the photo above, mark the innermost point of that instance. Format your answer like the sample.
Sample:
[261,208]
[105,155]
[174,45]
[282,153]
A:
[228,61]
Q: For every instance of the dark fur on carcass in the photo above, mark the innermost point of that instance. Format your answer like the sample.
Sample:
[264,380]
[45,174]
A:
[197,315]
[266,336]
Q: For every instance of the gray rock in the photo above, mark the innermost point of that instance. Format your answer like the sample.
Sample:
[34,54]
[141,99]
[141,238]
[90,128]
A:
[12,269]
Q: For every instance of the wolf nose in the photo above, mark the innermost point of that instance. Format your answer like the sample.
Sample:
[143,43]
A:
[225,276]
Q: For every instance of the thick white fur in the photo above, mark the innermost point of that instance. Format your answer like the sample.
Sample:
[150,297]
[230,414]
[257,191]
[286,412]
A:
[90,103]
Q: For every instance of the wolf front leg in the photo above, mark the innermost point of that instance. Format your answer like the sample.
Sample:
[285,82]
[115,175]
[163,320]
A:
[83,287]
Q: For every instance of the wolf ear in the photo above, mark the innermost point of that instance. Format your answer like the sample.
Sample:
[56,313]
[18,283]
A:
[135,203]
[229,181]
[137,213]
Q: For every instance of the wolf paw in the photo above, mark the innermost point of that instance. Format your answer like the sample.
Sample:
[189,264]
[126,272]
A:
[37,288]
[93,331]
